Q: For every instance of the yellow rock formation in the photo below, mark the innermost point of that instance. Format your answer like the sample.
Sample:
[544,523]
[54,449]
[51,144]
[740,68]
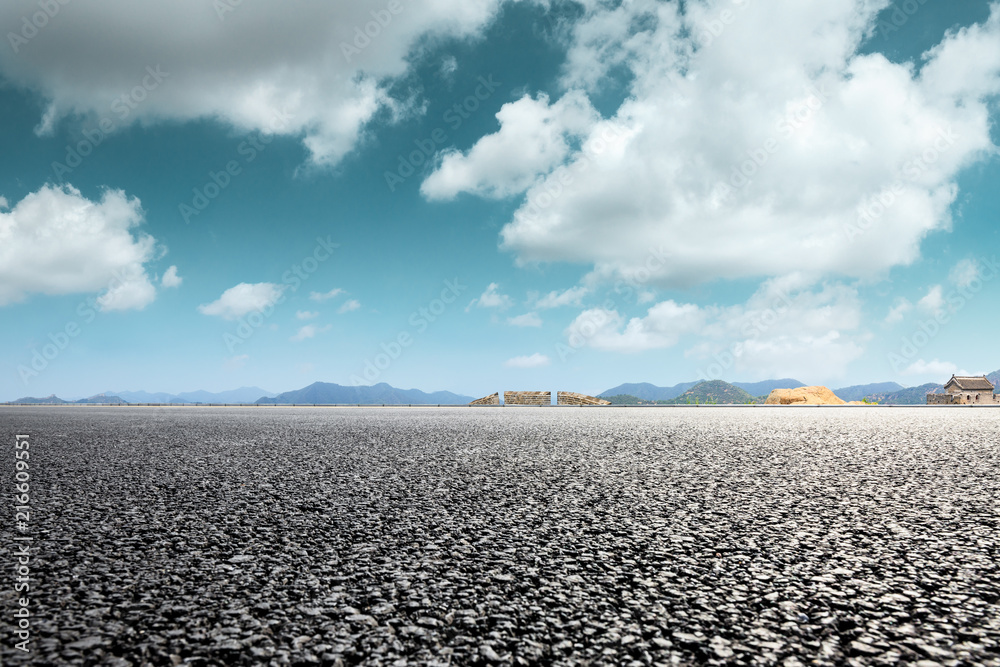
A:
[803,396]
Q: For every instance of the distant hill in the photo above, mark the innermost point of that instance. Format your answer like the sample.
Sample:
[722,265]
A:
[627,399]
[146,397]
[97,399]
[860,391]
[994,377]
[765,387]
[241,395]
[908,396]
[713,392]
[326,393]
[48,400]
[647,391]
[650,392]
[103,399]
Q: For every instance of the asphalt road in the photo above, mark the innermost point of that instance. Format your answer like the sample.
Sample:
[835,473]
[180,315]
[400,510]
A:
[505,536]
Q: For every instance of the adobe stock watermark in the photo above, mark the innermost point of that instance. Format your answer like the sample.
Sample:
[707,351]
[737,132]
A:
[291,280]
[713,28]
[583,331]
[911,345]
[419,321]
[59,340]
[21,549]
[381,18]
[247,151]
[742,174]
[873,208]
[224,7]
[453,117]
[36,22]
[122,107]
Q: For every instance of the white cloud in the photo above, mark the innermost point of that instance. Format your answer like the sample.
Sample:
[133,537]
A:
[933,301]
[533,137]
[662,326]
[134,292]
[309,331]
[56,241]
[898,310]
[964,273]
[535,360]
[823,131]
[325,296]
[526,320]
[237,362]
[491,298]
[241,63]
[940,369]
[306,314]
[349,305]
[242,299]
[170,278]
[570,297]
[787,327]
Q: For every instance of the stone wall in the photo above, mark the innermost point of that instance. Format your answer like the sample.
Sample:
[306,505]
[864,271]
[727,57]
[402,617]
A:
[573,398]
[527,398]
[964,398]
[492,399]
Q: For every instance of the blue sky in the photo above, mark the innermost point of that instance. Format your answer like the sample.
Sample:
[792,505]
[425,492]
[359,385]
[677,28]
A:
[489,195]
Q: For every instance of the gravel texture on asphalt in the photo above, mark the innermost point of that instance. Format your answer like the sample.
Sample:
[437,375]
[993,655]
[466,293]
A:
[507,536]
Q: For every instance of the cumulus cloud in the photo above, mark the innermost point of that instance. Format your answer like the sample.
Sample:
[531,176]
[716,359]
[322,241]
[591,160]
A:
[309,331]
[662,326]
[964,273]
[526,320]
[242,299]
[134,292]
[534,136]
[170,278]
[787,326]
[535,360]
[56,241]
[933,301]
[570,297]
[306,314]
[898,310]
[236,362]
[349,305]
[936,368]
[491,298]
[840,163]
[246,64]
[326,296]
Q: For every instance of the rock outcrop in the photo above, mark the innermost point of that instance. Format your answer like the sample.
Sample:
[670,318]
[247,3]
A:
[803,396]
[573,398]
[527,398]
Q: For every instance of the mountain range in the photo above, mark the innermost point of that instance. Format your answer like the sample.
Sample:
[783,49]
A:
[241,395]
[327,393]
[714,392]
[650,392]
[102,399]
[885,393]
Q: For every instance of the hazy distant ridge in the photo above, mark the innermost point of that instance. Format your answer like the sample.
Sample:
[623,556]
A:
[327,393]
